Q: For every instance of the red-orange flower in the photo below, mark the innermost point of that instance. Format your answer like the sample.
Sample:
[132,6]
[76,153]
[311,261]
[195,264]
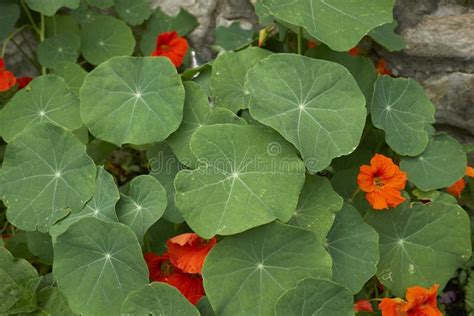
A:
[420,302]
[355,51]
[171,45]
[162,270]
[188,251]
[363,306]
[23,82]
[382,68]
[312,44]
[457,188]
[7,78]
[382,181]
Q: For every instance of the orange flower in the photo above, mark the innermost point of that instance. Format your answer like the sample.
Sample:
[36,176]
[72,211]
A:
[171,45]
[355,51]
[470,171]
[312,44]
[363,306]
[458,186]
[420,302]
[382,68]
[382,181]
[7,78]
[188,251]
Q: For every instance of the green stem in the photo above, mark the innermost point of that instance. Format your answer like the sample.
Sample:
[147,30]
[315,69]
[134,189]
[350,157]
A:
[32,21]
[43,69]
[353,196]
[300,40]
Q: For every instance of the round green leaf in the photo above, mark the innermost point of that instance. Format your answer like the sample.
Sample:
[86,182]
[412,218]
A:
[106,37]
[61,25]
[137,105]
[401,108]
[232,37]
[18,282]
[228,77]
[315,104]
[53,302]
[101,4]
[133,12]
[58,49]
[183,23]
[353,246]
[196,113]
[317,206]
[101,206]
[50,7]
[164,166]
[441,164]
[97,264]
[40,245]
[9,15]
[45,175]
[421,244]
[385,35]
[73,74]
[338,24]
[247,176]
[246,273]
[143,205]
[158,299]
[46,99]
[316,297]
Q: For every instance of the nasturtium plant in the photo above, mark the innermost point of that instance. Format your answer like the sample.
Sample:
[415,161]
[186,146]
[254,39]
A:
[289,173]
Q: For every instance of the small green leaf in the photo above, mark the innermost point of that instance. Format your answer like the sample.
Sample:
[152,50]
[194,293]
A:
[164,166]
[315,104]
[9,15]
[401,108]
[53,302]
[144,204]
[46,99]
[73,74]
[316,297]
[61,25]
[55,50]
[246,273]
[183,23]
[197,113]
[137,106]
[158,299]
[317,206]
[247,177]
[18,282]
[133,12]
[421,244]
[101,4]
[232,37]
[45,175]
[101,206]
[338,24]
[353,246]
[228,77]
[441,164]
[40,245]
[98,264]
[385,35]
[104,38]
[50,7]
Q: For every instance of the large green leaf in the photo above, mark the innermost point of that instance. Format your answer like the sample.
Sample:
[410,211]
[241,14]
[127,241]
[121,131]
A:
[137,105]
[314,104]
[385,35]
[133,12]
[97,264]
[441,164]
[316,297]
[144,204]
[183,23]
[61,25]
[228,77]
[50,7]
[61,48]
[18,282]
[9,15]
[317,206]
[421,244]
[246,273]
[338,23]
[101,4]
[401,108]
[158,299]
[45,175]
[353,246]
[197,113]
[232,37]
[101,206]
[247,176]
[46,99]
[73,74]
[106,37]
